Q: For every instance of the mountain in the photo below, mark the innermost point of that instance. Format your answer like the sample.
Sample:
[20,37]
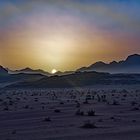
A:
[130,65]
[97,73]
[8,79]
[3,71]
[30,71]
[133,59]
[38,71]
[59,73]
[80,79]
[3,74]
[71,80]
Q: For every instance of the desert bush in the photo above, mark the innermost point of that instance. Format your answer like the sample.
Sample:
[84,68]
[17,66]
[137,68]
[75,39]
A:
[86,102]
[133,121]
[6,108]
[61,103]
[91,113]
[57,110]
[133,103]
[47,119]
[115,103]
[135,108]
[14,132]
[100,120]
[79,113]
[77,104]
[26,107]
[88,125]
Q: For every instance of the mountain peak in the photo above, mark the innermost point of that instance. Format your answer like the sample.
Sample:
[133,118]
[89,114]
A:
[113,63]
[130,65]
[3,70]
[133,59]
[27,69]
[99,64]
[133,56]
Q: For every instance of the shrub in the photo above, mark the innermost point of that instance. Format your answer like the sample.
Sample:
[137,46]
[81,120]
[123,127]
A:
[89,125]
[115,103]
[6,108]
[57,110]
[91,113]
[14,132]
[47,119]
[79,113]
[135,108]
[86,102]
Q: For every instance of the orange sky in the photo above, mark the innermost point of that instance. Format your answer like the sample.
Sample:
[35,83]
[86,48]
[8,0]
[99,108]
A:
[66,35]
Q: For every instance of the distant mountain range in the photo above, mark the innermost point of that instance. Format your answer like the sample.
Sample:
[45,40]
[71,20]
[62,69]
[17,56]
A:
[38,71]
[3,71]
[130,65]
[97,73]
[79,79]
[8,79]
[30,71]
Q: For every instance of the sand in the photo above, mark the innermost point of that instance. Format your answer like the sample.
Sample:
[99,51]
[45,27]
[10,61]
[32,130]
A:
[62,114]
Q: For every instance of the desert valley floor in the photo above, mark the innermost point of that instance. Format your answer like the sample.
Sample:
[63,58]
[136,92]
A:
[92,113]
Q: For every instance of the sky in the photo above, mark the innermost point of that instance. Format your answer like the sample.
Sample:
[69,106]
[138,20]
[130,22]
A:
[67,34]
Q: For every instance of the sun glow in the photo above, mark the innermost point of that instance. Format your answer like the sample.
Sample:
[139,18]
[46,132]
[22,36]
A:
[53,71]
[54,50]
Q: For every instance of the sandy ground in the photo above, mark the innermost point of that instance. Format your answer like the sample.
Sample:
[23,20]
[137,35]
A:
[93,113]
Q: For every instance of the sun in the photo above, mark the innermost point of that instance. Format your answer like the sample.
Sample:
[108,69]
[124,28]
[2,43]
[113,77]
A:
[53,71]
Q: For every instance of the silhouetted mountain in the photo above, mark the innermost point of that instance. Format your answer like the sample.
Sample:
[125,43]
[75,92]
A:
[7,79]
[133,59]
[86,76]
[130,65]
[38,71]
[71,80]
[80,79]
[3,71]
[3,74]
[59,73]
[30,71]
